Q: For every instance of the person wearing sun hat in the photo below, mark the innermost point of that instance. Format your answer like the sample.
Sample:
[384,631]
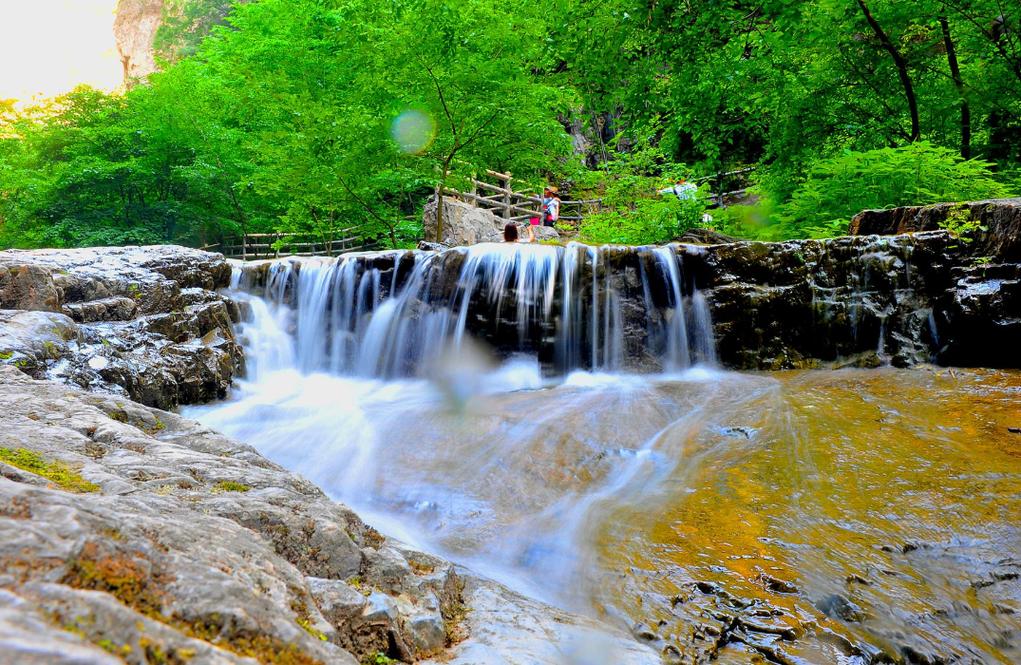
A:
[550,206]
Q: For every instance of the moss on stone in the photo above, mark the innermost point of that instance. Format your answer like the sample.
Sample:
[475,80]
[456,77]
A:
[229,486]
[126,578]
[58,473]
[454,611]
[138,584]
[120,650]
[119,416]
[304,619]
[156,428]
[50,350]
[6,355]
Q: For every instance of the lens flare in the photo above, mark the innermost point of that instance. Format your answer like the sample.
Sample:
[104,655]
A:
[413,131]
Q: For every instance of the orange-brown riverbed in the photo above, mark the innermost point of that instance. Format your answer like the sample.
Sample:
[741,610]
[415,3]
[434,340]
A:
[815,517]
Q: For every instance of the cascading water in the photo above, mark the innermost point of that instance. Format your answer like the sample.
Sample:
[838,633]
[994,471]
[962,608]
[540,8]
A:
[604,465]
[563,304]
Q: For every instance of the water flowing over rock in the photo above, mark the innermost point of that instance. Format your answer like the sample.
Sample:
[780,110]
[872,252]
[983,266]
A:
[707,511]
[386,314]
[866,301]
[142,322]
[978,311]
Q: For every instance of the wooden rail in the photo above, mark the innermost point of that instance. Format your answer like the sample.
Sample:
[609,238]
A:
[255,246]
[516,205]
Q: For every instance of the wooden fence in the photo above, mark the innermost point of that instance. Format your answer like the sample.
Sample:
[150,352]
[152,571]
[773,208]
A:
[255,246]
[499,196]
[520,205]
[516,205]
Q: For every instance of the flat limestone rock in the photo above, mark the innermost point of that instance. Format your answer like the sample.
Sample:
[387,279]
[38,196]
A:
[195,547]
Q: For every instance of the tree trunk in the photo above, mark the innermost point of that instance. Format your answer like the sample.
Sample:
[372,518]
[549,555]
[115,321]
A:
[439,197]
[902,69]
[439,213]
[955,72]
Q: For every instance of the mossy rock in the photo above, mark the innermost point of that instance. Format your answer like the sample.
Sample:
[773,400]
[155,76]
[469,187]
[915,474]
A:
[58,473]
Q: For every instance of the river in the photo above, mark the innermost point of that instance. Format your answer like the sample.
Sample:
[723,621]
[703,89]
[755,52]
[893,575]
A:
[848,516]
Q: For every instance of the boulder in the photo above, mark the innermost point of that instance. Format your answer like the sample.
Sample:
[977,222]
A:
[463,224]
[141,322]
[999,219]
[24,285]
[544,234]
[705,237]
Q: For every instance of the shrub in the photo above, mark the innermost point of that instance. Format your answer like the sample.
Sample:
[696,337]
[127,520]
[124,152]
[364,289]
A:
[839,187]
[634,212]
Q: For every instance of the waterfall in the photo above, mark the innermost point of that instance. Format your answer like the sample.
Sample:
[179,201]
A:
[387,314]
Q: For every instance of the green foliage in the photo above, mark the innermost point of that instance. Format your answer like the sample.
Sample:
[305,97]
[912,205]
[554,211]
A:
[634,212]
[284,123]
[920,173]
[59,473]
[280,115]
[378,658]
[960,224]
[184,24]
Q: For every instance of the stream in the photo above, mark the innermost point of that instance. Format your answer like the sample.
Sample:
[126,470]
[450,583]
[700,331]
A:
[850,516]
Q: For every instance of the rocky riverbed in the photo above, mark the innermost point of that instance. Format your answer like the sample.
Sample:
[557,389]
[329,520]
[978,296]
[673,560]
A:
[129,533]
[143,322]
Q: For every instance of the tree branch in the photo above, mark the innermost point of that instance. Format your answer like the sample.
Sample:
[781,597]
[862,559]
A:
[902,69]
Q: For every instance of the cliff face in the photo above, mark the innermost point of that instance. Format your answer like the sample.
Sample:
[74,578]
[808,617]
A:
[147,30]
[135,27]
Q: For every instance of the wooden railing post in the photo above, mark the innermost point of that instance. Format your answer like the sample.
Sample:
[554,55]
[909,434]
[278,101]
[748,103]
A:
[507,198]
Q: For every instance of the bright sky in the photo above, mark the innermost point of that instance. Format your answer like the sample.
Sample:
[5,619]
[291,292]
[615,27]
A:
[47,47]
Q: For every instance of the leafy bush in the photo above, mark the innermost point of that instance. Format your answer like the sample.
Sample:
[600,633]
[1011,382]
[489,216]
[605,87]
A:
[840,187]
[644,221]
[961,225]
[749,222]
[634,212]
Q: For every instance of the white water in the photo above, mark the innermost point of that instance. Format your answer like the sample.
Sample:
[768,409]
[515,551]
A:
[377,391]
[544,473]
